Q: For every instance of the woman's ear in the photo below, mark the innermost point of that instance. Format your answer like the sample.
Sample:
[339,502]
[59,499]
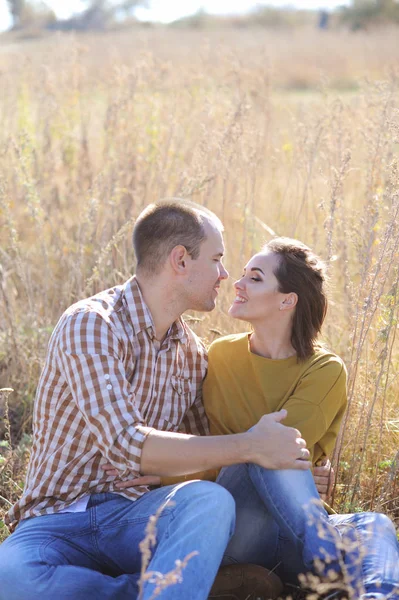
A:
[178,259]
[289,302]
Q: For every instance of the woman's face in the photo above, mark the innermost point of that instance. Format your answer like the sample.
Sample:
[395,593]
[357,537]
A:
[257,296]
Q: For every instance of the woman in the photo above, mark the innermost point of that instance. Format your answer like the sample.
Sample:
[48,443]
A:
[280,364]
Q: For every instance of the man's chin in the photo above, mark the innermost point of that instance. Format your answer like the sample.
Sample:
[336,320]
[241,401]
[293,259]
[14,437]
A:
[207,306]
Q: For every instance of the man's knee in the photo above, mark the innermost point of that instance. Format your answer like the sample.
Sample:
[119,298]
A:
[218,497]
[209,499]
[14,584]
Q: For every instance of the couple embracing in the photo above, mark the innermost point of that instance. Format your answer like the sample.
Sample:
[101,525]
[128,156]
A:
[129,420]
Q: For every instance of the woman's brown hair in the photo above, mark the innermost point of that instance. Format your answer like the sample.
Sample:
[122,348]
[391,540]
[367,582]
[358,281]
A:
[300,271]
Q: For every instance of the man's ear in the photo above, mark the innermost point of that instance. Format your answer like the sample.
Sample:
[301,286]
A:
[289,302]
[178,259]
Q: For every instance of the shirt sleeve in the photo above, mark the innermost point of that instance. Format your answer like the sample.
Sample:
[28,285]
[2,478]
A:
[317,405]
[90,358]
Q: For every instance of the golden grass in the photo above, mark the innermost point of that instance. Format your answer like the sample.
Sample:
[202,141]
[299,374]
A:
[294,133]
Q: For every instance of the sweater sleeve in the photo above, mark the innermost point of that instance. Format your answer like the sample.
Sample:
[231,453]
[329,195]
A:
[317,405]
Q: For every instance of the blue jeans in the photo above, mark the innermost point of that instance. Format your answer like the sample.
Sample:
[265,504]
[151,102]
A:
[281,525]
[95,554]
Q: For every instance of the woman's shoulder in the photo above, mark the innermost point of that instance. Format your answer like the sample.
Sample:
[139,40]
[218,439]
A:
[325,359]
[229,343]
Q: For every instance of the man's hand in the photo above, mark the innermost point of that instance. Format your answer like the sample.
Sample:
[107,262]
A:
[324,477]
[142,480]
[274,446]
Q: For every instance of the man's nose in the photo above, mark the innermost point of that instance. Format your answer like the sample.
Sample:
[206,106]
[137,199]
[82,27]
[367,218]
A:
[223,273]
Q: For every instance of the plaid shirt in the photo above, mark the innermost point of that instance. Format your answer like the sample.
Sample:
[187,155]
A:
[106,377]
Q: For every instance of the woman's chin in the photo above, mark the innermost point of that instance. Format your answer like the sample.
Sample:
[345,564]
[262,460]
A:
[235,311]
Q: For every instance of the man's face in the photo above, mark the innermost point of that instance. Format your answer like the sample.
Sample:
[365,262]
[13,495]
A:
[206,272]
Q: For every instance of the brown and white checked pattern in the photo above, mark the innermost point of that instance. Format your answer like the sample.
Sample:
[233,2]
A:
[106,377]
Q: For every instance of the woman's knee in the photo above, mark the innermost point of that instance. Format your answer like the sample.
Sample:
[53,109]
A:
[369,526]
[379,523]
[372,521]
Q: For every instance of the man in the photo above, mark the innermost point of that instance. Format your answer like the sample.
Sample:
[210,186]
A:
[121,385]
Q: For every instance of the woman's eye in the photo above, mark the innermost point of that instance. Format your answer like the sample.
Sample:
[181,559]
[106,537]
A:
[255,279]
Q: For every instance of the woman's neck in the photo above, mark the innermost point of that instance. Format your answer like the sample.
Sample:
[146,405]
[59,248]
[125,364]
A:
[272,342]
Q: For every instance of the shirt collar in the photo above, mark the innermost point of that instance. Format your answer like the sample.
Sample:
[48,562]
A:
[177,330]
[140,314]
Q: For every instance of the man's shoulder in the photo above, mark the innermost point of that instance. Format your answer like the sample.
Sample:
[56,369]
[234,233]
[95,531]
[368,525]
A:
[92,316]
[229,343]
[104,303]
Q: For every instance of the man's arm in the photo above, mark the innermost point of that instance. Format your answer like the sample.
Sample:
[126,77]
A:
[268,444]
[89,356]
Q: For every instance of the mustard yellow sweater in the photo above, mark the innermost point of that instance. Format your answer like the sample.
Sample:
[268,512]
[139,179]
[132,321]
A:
[241,387]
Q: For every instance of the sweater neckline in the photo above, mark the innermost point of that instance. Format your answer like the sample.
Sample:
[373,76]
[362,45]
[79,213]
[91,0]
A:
[275,361]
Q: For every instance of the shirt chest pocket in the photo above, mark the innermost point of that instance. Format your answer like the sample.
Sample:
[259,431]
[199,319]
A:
[178,398]
[181,385]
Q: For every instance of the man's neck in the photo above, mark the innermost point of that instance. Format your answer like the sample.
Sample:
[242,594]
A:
[162,304]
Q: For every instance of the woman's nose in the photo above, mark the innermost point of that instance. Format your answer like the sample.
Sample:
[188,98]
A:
[238,284]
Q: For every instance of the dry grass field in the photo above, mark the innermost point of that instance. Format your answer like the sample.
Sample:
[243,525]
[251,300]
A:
[295,133]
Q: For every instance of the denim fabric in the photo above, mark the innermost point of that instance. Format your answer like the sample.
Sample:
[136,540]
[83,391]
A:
[95,554]
[281,525]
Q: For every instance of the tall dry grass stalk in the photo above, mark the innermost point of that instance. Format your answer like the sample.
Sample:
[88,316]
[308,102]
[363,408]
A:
[296,135]
[161,581]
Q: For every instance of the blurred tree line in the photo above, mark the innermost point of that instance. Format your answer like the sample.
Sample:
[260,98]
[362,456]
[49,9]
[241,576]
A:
[98,14]
[101,14]
[363,13]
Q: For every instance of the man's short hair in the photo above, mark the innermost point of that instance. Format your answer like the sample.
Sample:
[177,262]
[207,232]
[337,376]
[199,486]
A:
[164,225]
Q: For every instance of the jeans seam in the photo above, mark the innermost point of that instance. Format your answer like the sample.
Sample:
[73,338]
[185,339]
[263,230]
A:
[94,530]
[42,548]
[292,530]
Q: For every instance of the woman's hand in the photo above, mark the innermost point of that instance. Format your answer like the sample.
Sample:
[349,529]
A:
[142,480]
[324,477]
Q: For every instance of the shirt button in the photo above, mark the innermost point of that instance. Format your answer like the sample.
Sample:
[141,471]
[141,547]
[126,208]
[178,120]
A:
[106,376]
[109,387]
